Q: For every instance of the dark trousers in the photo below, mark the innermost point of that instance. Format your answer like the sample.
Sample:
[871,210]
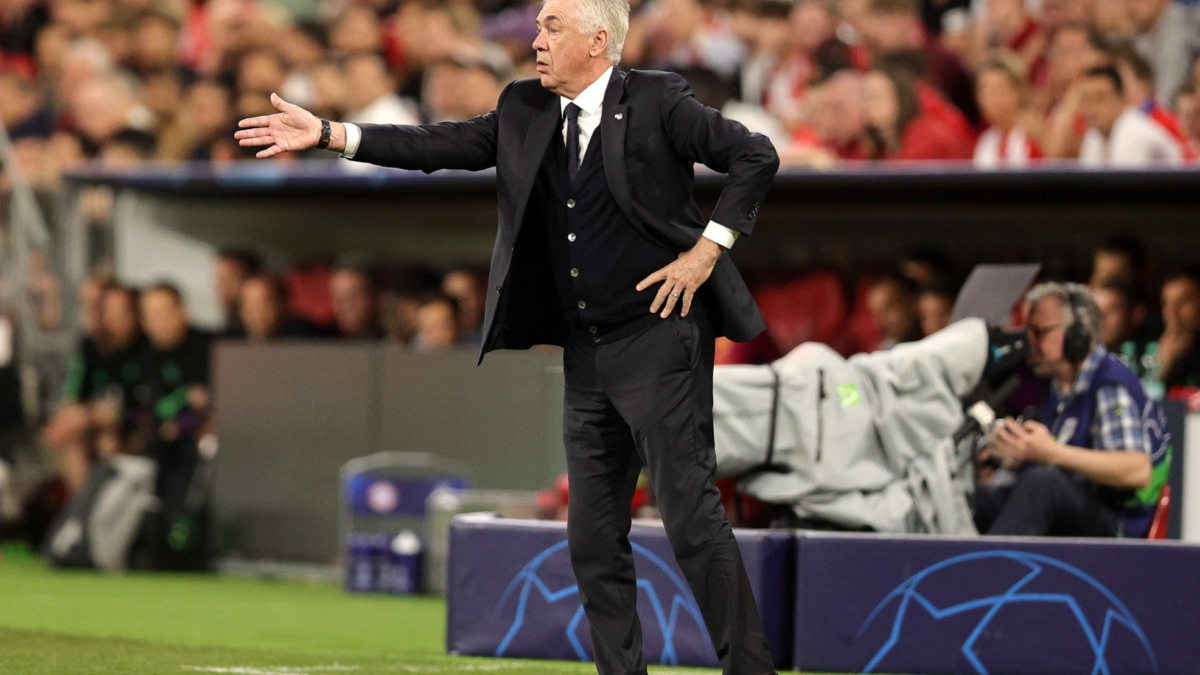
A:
[646,400]
[1044,502]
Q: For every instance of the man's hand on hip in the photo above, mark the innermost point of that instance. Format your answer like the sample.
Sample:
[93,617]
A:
[682,278]
[291,129]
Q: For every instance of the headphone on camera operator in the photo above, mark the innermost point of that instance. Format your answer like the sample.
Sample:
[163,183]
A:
[1078,340]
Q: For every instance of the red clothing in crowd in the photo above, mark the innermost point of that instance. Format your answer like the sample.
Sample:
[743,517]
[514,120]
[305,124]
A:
[1170,123]
[929,137]
[1013,148]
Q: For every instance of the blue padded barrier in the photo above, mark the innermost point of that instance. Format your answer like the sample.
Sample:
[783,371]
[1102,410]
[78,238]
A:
[1017,606]
[511,592]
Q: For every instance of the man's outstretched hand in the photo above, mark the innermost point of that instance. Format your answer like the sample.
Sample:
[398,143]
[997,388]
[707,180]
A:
[291,129]
[682,278]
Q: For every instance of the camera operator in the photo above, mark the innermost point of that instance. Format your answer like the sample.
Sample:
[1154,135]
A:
[1096,462]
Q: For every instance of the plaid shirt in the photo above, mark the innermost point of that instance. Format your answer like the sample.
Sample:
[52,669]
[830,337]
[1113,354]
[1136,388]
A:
[1117,422]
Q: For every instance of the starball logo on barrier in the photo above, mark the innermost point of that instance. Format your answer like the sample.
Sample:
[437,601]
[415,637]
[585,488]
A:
[674,609]
[1077,601]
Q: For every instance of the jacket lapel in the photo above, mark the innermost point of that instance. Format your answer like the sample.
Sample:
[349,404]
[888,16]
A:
[613,122]
[537,138]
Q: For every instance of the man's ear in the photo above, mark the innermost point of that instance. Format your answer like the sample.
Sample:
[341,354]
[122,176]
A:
[599,43]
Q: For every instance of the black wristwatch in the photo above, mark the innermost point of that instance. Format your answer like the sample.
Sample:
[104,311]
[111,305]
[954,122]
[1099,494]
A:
[326,132]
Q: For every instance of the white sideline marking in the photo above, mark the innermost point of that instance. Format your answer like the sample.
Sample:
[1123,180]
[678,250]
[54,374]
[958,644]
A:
[270,670]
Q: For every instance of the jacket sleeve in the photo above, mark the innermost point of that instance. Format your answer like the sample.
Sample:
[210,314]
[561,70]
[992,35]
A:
[701,134]
[468,145]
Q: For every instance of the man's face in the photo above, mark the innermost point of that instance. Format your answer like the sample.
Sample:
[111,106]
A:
[564,54]
[1100,103]
[229,275]
[261,311]
[935,310]
[880,104]
[1110,265]
[120,319]
[164,319]
[437,325]
[891,32]
[895,311]
[1046,325]
[837,111]
[1116,318]
[1181,306]
[353,302]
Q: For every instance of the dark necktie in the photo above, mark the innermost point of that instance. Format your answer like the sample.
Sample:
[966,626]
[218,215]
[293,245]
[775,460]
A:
[572,140]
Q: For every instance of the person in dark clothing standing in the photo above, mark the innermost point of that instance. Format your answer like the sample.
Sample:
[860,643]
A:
[601,248]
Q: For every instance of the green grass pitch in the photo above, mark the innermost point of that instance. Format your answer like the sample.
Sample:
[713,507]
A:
[76,623]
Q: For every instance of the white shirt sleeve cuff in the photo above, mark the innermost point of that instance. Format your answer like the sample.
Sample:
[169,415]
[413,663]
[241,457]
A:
[353,138]
[724,236]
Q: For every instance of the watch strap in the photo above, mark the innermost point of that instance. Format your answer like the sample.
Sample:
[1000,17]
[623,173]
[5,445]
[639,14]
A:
[326,133]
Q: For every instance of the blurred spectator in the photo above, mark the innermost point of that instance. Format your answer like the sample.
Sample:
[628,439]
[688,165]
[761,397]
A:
[459,90]
[20,108]
[1006,29]
[1167,36]
[261,70]
[1003,97]
[106,104]
[1072,53]
[264,313]
[155,45]
[172,398]
[935,306]
[897,128]
[763,27]
[1120,256]
[371,93]
[894,29]
[1122,314]
[684,33]
[836,126]
[1178,347]
[128,148]
[302,48]
[354,305]
[230,270]
[893,302]
[437,323]
[1120,135]
[1137,77]
[467,290]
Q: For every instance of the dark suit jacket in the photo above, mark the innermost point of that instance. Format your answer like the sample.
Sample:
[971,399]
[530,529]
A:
[653,132]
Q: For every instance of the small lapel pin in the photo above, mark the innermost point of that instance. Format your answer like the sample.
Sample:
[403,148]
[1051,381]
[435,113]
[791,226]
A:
[619,116]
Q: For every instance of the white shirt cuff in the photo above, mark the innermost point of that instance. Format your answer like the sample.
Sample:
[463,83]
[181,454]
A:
[720,234]
[353,138]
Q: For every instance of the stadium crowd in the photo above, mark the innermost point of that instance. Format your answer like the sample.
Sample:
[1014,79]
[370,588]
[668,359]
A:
[1005,82]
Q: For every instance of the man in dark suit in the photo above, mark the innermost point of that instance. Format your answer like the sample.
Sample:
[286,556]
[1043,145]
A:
[599,243]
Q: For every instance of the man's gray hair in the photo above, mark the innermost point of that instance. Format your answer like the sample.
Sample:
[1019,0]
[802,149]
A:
[1085,311]
[609,15]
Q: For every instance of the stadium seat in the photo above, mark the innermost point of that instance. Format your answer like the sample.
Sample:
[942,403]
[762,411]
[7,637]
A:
[1158,526]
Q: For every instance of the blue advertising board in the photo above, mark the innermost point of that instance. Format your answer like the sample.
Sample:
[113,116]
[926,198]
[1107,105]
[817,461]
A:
[1017,606]
[511,592]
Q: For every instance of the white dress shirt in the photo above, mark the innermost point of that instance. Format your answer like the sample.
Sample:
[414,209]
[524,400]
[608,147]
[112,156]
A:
[591,105]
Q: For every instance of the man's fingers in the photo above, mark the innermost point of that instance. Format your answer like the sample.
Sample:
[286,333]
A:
[660,297]
[269,152]
[652,279]
[253,142]
[252,133]
[688,294]
[261,121]
[672,299]
[280,104]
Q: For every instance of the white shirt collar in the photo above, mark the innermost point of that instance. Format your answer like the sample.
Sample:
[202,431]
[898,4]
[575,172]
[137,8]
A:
[589,100]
